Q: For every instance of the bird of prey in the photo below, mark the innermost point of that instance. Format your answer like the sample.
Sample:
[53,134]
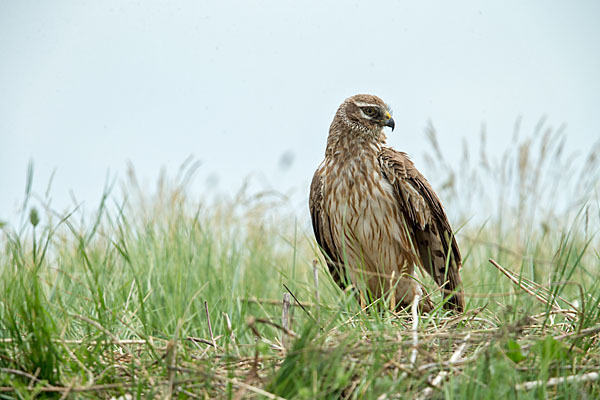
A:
[375,216]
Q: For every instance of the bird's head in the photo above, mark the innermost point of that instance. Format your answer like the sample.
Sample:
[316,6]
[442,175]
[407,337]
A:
[366,113]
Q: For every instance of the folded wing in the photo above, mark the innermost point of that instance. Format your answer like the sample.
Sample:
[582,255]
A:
[322,229]
[427,224]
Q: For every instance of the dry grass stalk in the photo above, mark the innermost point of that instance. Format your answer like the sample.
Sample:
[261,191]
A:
[285,319]
[77,389]
[232,337]
[582,333]
[189,394]
[287,331]
[316,279]
[272,302]
[88,372]
[251,388]
[590,376]
[435,382]
[415,327]
[68,391]
[107,333]
[393,293]
[520,284]
[171,364]
[212,337]
[229,328]
[19,372]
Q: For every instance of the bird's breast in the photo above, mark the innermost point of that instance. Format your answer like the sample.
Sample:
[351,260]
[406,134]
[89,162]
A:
[360,200]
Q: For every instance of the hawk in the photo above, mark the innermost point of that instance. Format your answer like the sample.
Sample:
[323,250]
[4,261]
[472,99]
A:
[375,216]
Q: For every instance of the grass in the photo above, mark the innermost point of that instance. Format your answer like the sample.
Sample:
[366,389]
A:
[164,295]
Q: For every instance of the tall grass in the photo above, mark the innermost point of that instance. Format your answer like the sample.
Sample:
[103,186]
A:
[118,302]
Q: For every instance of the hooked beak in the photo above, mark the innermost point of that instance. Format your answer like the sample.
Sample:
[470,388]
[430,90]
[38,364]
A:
[389,121]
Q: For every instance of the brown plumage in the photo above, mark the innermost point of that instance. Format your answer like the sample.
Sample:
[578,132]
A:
[375,216]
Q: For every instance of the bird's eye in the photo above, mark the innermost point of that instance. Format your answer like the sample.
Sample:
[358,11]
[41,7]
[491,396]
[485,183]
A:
[369,111]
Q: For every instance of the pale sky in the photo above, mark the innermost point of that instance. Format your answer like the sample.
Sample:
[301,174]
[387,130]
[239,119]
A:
[87,86]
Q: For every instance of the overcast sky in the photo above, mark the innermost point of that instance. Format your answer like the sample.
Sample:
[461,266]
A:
[86,86]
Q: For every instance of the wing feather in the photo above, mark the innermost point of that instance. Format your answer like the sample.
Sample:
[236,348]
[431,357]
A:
[322,229]
[428,224]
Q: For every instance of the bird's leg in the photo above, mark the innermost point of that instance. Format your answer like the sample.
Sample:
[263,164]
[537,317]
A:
[406,290]
[425,305]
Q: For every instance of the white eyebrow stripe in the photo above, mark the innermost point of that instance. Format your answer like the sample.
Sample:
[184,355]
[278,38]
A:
[361,104]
